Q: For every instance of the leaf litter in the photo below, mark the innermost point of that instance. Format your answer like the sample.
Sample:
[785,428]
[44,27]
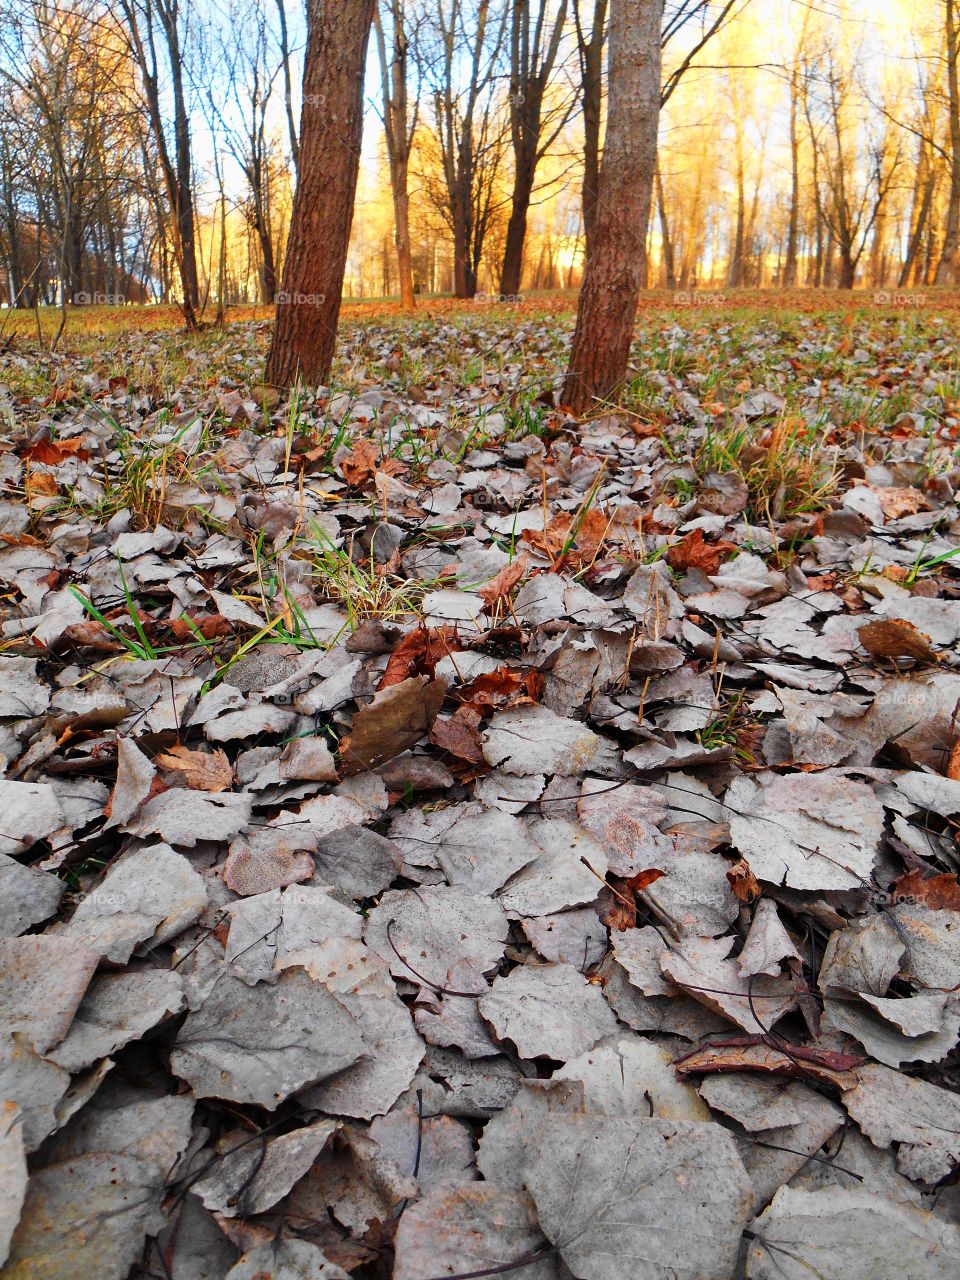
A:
[441,838]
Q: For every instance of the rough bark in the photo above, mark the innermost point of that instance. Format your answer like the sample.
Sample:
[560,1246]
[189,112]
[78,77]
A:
[331,130]
[950,253]
[616,260]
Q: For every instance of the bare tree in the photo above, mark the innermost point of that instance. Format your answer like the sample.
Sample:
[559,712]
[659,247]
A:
[534,124]
[616,262]
[461,63]
[331,131]
[399,125]
[155,30]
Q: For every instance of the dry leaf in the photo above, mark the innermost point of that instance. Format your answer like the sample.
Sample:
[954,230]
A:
[896,638]
[939,893]
[397,718]
[694,553]
[197,770]
[498,587]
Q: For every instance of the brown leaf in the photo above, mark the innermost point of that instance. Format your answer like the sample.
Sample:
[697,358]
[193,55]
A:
[89,635]
[212,626]
[953,764]
[458,734]
[501,688]
[644,879]
[419,652]
[751,1053]
[743,882]
[896,638]
[577,538]
[50,452]
[694,553]
[397,718]
[939,893]
[197,770]
[360,467]
[897,502]
[498,587]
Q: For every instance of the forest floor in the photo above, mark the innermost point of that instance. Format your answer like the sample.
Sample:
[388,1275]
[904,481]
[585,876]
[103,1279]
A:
[444,838]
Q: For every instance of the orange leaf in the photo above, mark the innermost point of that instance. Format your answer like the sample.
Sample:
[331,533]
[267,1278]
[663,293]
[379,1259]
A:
[939,893]
[743,882]
[494,591]
[694,553]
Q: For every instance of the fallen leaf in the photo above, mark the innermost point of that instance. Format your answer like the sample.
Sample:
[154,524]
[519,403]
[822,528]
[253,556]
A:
[196,770]
[896,638]
[397,718]
[692,552]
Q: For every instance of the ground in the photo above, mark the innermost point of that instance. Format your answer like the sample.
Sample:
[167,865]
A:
[441,837]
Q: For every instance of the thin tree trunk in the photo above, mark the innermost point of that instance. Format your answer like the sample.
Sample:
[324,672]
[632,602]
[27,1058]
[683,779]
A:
[668,258]
[591,70]
[947,266]
[793,222]
[330,137]
[616,260]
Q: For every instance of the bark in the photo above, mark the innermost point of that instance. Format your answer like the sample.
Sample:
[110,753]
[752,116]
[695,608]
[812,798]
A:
[591,78]
[331,132]
[616,261]
[399,133]
[949,254]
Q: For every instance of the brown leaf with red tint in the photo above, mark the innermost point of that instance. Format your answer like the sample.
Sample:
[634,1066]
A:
[939,893]
[498,587]
[50,452]
[694,553]
[397,718]
[644,879]
[753,1053]
[577,538]
[212,626]
[363,463]
[896,638]
[501,688]
[458,734]
[743,882]
[419,652]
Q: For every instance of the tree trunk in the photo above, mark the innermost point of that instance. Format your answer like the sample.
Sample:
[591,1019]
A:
[947,266]
[591,69]
[668,259]
[793,223]
[616,259]
[512,269]
[331,132]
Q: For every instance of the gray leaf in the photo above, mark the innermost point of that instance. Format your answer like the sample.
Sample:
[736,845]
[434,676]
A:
[629,1199]
[849,1235]
[261,1044]
[548,1011]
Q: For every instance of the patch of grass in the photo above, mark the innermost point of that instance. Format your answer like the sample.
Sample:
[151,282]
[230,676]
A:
[788,468]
